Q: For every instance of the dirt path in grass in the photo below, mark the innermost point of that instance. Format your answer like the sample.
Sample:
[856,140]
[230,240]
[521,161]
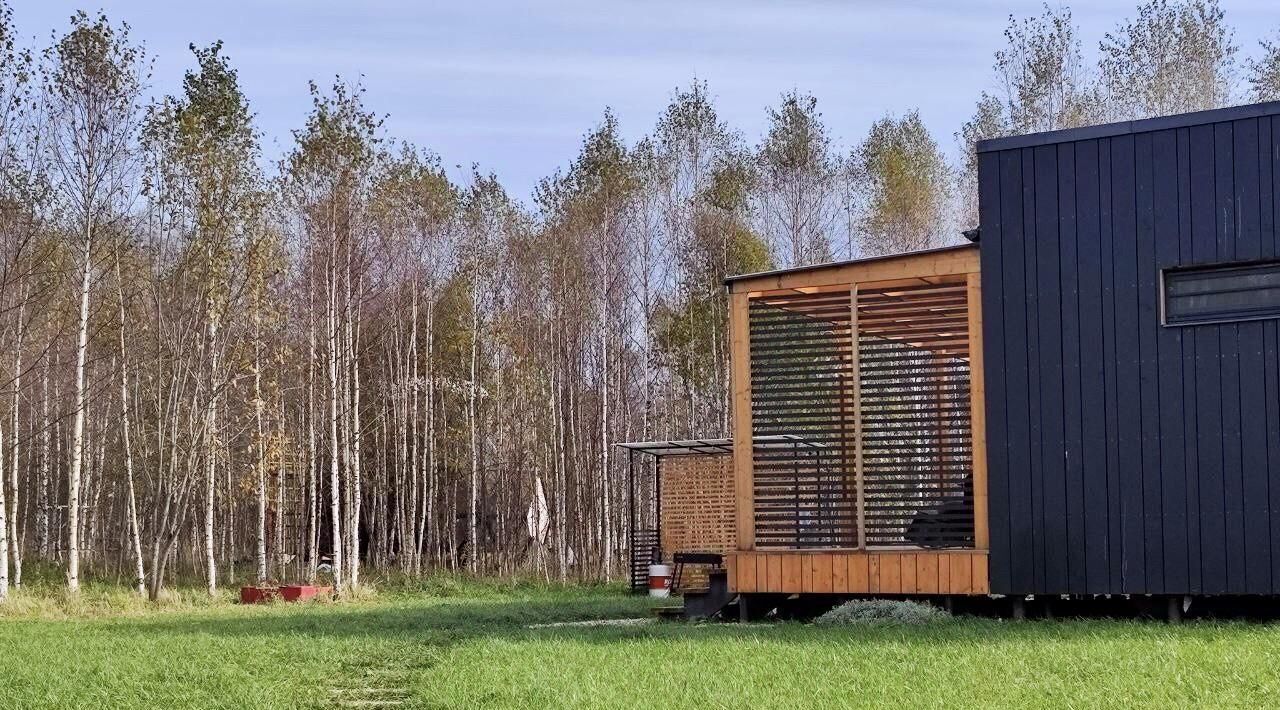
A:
[388,688]
[380,681]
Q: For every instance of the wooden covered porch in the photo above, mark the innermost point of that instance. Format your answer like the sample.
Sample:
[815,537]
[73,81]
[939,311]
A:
[873,368]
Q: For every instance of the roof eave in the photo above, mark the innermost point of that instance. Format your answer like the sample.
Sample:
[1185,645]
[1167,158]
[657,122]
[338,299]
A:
[1120,128]
[838,264]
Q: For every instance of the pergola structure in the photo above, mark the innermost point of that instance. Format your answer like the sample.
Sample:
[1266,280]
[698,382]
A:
[856,464]
[689,504]
[877,364]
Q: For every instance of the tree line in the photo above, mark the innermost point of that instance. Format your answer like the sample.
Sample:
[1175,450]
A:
[223,367]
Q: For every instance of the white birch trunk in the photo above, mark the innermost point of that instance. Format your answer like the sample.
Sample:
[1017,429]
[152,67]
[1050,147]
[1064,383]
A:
[604,457]
[335,484]
[472,395]
[135,533]
[4,533]
[313,463]
[411,543]
[211,460]
[46,448]
[260,447]
[77,430]
[428,532]
[15,539]
[353,446]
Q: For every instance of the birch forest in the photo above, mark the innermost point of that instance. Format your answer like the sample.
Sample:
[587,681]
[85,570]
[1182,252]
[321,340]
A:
[220,365]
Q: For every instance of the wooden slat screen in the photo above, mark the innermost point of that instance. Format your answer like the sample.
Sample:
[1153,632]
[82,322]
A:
[917,452]
[697,510]
[882,458]
[802,420]
[643,544]
[697,503]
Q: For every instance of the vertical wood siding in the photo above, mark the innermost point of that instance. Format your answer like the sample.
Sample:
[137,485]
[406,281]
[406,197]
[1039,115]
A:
[1124,456]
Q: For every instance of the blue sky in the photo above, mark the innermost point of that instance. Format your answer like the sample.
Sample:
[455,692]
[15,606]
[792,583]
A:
[513,86]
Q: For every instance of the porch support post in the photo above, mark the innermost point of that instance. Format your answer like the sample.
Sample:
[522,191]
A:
[743,474]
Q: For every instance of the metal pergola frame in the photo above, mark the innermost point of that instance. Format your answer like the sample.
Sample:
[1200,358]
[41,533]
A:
[682,447]
[659,450]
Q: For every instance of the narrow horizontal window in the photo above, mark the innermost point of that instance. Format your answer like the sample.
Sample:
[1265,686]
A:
[1216,294]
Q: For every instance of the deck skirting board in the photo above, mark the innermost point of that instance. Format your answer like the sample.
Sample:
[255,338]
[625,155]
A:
[859,572]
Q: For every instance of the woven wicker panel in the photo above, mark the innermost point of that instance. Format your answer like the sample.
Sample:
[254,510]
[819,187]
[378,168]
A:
[697,510]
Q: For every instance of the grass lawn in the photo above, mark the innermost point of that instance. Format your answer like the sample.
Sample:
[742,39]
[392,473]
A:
[471,646]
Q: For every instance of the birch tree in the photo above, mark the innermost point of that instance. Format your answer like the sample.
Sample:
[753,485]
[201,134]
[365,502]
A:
[211,152]
[489,216]
[586,233]
[21,191]
[94,76]
[327,177]
[1041,83]
[1042,79]
[262,263]
[1264,71]
[1173,57]
[698,155]
[415,212]
[905,183]
[131,496]
[798,177]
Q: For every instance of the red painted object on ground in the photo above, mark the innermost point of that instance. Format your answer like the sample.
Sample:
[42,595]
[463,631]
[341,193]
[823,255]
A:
[288,592]
[257,595]
[303,592]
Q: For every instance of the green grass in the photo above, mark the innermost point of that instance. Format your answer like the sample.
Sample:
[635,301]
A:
[451,643]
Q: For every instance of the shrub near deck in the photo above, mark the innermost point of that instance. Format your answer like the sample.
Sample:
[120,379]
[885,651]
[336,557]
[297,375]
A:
[886,612]
[454,651]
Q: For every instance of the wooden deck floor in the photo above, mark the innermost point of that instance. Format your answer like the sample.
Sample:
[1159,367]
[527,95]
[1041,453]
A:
[859,572]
